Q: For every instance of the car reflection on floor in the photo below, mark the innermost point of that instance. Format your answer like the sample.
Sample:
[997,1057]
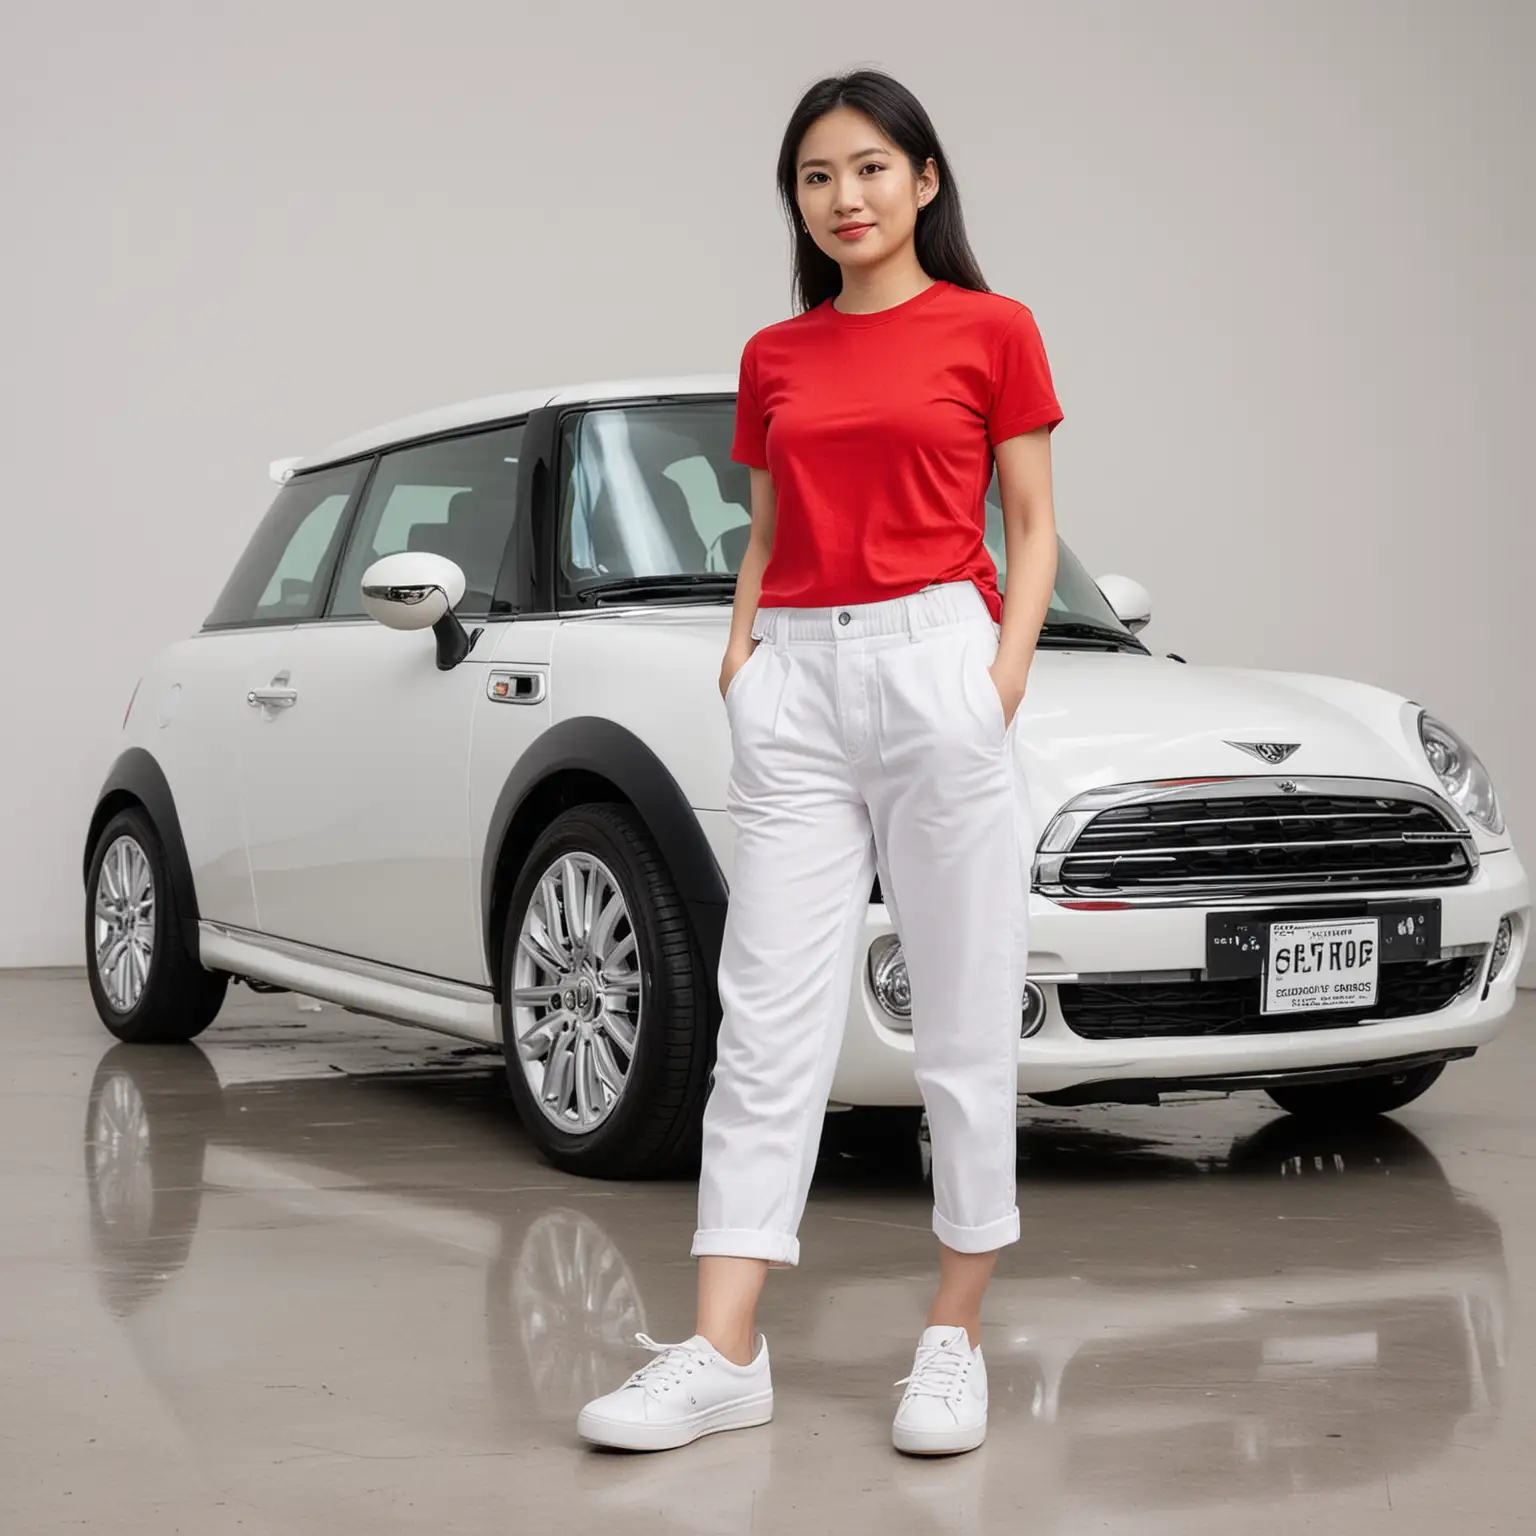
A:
[1237,1309]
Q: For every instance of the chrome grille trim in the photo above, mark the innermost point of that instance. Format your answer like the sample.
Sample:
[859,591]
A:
[1166,854]
[1072,835]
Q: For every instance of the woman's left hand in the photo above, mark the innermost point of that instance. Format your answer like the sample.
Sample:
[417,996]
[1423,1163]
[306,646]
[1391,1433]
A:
[1010,689]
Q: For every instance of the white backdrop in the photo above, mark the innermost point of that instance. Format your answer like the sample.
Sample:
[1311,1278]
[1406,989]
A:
[1281,256]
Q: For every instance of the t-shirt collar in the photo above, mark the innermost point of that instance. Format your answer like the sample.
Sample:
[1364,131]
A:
[835,316]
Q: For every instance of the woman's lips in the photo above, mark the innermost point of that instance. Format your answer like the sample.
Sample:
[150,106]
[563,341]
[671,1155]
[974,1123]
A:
[853,231]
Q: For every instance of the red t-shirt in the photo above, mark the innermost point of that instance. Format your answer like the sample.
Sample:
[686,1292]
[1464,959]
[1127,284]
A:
[878,432]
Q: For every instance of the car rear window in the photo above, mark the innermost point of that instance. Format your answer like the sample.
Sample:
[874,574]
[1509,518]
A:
[281,577]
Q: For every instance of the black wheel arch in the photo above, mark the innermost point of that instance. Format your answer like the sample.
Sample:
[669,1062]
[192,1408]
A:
[588,759]
[136,779]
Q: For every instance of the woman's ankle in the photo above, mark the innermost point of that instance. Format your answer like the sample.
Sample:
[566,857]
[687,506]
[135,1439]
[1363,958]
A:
[737,1347]
[949,1317]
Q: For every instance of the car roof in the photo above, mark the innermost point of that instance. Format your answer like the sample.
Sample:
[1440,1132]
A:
[473,413]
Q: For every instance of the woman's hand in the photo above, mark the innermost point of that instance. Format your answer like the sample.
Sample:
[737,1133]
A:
[735,660]
[1010,685]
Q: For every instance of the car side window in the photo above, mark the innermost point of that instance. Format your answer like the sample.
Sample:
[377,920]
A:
[651,491]
[281,577]
[455,497]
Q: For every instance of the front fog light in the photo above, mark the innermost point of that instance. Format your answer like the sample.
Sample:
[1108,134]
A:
[888,979]
[892,987]
[1034,1010]
[1457,767]
[1503,942]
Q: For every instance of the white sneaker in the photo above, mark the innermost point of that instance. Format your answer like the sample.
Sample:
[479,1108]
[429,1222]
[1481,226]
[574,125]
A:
[944,1408]
[688,1390]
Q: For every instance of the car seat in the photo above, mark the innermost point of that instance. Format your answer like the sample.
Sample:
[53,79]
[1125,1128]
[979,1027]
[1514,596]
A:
[474,536]
[672,545]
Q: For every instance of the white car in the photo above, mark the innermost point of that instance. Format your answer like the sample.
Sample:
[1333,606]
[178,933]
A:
[512,830]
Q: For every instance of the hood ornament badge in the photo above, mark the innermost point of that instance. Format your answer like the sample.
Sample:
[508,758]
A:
[1271,752]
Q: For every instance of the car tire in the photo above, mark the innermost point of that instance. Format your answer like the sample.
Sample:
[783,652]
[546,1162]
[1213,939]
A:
[1358,1099]
[146,986]
[650,1127]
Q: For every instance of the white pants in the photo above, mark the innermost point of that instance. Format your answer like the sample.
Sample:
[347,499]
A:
[868,737]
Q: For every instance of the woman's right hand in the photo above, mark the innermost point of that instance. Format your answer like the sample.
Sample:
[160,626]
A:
[735,660]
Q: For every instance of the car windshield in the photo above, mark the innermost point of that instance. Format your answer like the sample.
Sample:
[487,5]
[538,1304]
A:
[654,507]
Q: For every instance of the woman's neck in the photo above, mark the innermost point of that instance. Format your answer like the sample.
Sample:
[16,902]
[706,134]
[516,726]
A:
[866,291]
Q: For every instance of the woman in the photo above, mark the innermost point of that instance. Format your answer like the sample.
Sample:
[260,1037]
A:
[871,681]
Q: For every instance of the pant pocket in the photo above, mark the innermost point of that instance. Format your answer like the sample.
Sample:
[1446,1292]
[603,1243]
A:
[979,651]
[733,687]
[753,696]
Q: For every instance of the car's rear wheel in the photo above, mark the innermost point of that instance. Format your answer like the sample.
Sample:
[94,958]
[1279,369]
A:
[604,1002]
[145,984]
[1359,1099]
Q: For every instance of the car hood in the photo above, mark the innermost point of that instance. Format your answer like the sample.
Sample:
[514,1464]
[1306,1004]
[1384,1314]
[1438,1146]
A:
[1089,717]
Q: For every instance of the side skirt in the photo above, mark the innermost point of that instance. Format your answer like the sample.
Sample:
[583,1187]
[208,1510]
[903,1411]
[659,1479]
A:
[362,986]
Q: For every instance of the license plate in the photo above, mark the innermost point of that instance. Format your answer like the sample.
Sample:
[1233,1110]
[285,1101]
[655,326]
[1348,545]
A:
[1328,964]
[1237,942]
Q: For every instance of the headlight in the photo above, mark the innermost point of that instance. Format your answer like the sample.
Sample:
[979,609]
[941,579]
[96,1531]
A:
[1466,780]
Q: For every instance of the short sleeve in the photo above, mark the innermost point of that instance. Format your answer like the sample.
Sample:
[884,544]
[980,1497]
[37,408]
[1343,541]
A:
[1023,397]
[750,445]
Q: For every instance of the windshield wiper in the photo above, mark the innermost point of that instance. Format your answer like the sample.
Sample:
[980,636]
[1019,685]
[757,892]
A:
[703,584]
[1087,629]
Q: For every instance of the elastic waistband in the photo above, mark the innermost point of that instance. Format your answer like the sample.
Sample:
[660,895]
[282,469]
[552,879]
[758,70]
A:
[945,603]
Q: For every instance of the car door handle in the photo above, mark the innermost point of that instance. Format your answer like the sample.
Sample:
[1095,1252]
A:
[272,698]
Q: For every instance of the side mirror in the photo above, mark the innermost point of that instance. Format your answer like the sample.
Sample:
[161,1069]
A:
[1130,600]
[418,590]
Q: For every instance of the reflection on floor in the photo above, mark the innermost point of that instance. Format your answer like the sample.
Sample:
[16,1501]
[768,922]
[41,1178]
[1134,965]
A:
[317,1266]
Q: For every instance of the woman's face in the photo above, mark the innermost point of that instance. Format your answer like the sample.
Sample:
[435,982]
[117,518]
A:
[850,178]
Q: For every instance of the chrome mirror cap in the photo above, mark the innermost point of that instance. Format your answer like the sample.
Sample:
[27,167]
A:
[411,590]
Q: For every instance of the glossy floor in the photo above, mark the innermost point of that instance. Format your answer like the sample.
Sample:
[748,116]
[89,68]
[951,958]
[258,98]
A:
[311,1277]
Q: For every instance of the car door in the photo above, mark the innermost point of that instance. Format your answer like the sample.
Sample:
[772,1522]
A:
[357,785]
[203,713]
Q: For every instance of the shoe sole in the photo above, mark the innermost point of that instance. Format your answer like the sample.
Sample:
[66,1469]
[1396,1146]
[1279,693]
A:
[935,1442]
[742,1413]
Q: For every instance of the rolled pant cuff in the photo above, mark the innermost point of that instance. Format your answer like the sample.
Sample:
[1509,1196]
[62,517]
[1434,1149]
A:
[996,1234]
[744,1243]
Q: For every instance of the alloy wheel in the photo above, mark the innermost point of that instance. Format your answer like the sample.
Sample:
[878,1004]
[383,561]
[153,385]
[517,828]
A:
[575,1009]
[124,927]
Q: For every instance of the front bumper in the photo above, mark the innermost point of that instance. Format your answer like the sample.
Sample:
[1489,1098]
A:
[876,1063]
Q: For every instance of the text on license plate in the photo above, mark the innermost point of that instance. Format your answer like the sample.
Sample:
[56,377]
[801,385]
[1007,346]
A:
[1322,965]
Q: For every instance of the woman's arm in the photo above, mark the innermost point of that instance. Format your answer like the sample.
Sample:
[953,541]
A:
[749,580]
[1029,537]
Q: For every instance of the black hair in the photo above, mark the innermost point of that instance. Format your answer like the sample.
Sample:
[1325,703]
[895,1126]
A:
[942,247]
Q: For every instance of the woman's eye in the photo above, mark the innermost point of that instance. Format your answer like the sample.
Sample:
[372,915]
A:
[814,177]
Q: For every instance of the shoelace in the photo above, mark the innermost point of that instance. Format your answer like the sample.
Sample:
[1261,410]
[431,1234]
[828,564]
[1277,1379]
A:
[672,1363]
[937,1372]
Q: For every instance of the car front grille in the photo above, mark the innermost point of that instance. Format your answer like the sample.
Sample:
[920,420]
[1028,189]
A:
[1154,1010]
[1185,842]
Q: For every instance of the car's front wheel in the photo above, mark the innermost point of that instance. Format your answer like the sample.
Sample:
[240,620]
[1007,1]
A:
[1358,1099]
[145,985]
[604,1002]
